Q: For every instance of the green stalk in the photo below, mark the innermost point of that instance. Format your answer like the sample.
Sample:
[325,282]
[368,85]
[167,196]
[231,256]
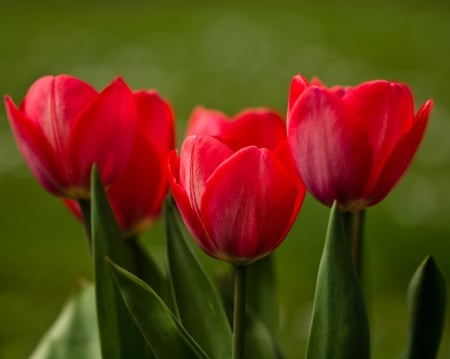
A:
[354,229]
[85,207]
[239,311]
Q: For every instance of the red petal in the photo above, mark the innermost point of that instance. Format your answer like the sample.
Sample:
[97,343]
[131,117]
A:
[298,84]
[36,150]
[255,127]
[156,120]
[200,156]
[402,155]
[387,110]
[104,135]
[249,205]
[283,153]
[136,196]
[55,103]
[329,146]
[206,122]
[190,217]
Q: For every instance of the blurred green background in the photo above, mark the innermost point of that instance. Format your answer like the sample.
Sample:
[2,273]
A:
[228,56]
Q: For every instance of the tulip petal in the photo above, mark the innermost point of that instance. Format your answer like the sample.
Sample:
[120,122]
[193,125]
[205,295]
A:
[254,127]
[206,122]
[156,120]
[329,146]
[137,194]
[36,150]
[55,103]
[249,205]
[298,84]
[200,156]
[104,134]
[190,216]
[283,153]
[386,108]
[402,155]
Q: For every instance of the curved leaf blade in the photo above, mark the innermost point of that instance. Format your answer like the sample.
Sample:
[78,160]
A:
[162,331]
[119,336]
[198,303]
[340,328]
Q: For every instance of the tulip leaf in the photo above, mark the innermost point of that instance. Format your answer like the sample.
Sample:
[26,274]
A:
[426,299]
[161,329]
[198,303]
[148,270]
[74,334]
[119,336]
[261,298]
[339,328]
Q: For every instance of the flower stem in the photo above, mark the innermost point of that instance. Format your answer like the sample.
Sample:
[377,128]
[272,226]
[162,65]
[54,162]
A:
[85,207]
[354,227]
[239,311]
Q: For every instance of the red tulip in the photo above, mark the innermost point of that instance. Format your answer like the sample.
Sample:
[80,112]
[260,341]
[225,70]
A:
[237,190]
[353,144]
[63,127]
[136,196]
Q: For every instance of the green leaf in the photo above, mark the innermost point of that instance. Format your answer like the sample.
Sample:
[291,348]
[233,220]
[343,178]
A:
[426,300]
[148,270]
[163,332]
[119,336]
[198,303]
[74,334]
[261,292]
[340,328]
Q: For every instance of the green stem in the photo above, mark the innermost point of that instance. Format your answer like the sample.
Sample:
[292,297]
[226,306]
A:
[354,227]
[85,207]
[239,311]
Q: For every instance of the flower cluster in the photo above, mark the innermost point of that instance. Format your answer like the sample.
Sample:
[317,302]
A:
[346,144]
[239,184]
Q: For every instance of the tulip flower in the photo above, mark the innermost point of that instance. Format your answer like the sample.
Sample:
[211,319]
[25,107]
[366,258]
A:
[64,126]
[237,189]
[136,196]
[353,144]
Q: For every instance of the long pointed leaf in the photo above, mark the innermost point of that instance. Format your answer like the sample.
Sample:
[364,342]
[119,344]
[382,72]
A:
[198,303]
[119,336]
[164,334]
[340,328]
[427,299]
[74,334]
[148,270]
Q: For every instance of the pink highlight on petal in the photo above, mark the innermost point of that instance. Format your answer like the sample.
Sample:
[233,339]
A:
[353,144]
[329,147]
